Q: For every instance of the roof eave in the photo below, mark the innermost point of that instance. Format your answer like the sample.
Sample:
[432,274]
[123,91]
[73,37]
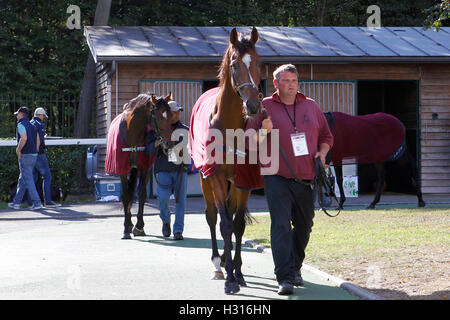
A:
[277,59]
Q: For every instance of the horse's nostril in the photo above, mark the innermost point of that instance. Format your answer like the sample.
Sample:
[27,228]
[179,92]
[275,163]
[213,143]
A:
[260,96]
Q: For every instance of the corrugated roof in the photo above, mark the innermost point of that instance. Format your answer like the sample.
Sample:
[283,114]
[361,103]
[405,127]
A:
[276,44]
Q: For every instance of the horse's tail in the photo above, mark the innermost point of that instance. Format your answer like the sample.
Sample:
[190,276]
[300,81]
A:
[248,218]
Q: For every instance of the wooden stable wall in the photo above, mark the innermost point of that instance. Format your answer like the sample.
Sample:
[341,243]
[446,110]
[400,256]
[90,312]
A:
[101,114]
[434,98]
[435,133]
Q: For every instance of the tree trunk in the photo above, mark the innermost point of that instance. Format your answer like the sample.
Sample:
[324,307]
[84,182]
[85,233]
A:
[88,89]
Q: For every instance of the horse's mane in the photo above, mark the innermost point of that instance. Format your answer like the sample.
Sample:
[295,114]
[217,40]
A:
[243,46]
[140,100]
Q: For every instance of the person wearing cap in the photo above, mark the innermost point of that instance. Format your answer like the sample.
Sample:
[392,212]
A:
[27,149]
[42,166]
[171,178]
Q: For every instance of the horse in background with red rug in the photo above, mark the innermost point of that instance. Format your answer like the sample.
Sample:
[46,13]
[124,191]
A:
[222,108]
[374,138]
[126,156]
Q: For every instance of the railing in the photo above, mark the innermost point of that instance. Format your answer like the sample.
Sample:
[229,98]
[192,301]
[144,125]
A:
[61,110]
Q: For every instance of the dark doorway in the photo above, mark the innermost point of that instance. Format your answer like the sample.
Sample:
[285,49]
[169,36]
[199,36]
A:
[209,84]
[399,98]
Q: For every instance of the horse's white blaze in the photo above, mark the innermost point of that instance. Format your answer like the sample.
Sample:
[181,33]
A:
[247,59]
[165,114]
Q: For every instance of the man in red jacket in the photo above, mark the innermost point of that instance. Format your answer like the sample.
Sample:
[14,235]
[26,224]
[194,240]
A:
[304,137]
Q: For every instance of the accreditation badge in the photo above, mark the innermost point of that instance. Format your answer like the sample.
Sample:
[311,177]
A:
[171,155]
[299,144]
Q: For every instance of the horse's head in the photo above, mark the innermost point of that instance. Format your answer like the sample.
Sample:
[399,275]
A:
[245,68]
[161,119]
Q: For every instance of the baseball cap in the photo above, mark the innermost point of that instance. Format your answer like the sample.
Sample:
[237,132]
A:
[24,110]
[174,106]
[40,111]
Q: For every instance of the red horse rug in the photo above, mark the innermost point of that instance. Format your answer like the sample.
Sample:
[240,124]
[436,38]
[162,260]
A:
[246,176]
[117,161]
[377,137]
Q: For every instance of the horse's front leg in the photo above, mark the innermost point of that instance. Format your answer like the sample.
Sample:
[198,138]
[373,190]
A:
[142,195]
[226,229]
[238,204]
[128,225]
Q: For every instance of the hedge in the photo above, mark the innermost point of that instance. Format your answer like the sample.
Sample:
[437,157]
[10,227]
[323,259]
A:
[66,166]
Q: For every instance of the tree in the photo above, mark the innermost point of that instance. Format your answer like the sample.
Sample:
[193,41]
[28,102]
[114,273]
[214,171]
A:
[437,15]
[88,89]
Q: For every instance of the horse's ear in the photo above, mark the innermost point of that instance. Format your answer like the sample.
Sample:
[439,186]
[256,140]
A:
[153,99]
[169,97]
[234,39]
[255,36]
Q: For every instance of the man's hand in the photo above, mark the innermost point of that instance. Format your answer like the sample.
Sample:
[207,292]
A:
[267,124]
[322,153]
[321,156]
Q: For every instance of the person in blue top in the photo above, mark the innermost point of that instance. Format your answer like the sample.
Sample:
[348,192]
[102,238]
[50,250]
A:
[27,149]
[42,166]
[171,176]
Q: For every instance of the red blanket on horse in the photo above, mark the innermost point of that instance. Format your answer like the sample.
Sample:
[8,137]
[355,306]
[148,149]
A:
[369,138]
[117,162]
[246,176]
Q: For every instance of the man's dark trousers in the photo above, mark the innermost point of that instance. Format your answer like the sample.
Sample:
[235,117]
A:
[288,201]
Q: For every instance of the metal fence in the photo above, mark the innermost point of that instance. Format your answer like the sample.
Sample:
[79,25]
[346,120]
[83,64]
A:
[61,111]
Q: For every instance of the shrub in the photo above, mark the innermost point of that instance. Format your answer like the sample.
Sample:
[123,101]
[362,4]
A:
[66,166]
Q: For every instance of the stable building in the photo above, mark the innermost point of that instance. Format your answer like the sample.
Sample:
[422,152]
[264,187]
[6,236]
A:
[404,71]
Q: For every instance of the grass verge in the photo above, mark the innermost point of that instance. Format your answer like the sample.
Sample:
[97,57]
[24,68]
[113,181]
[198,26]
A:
[404,249]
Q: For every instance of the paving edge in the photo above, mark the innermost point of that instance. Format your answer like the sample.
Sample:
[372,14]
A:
[350,287]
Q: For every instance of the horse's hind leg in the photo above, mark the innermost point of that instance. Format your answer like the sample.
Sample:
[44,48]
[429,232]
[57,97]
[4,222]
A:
[211,219]
[340,180]
[381,173]
[415,177]
[142,195]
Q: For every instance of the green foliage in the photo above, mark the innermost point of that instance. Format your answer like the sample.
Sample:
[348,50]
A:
[438,15]
[39,54]
[64,164]
[9,171]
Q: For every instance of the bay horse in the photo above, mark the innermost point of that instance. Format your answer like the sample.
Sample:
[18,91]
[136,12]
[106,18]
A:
[222,108]
[374,138]
[126,157]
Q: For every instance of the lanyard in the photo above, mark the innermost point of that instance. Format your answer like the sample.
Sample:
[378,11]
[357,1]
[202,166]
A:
[292,120]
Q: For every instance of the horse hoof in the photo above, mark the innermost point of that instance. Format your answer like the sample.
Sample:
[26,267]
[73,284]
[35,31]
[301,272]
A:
[422,204]
[138,232]
[126,236]
[231,287]
[370,207]
[217,275]
[241,282]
